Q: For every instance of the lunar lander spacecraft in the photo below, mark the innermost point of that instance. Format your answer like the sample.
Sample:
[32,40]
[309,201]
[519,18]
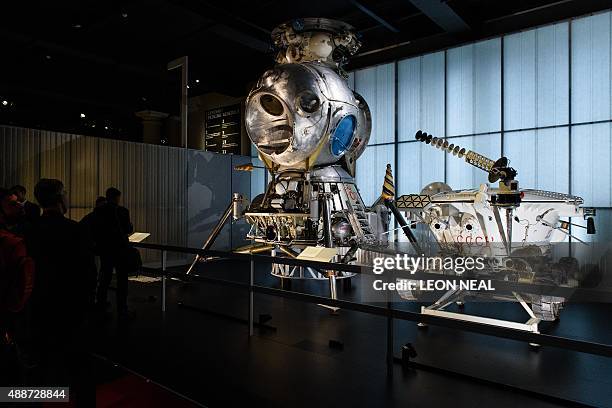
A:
[309,128]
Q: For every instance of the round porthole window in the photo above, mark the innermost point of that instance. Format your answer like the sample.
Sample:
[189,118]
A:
[271,104]
[308,102]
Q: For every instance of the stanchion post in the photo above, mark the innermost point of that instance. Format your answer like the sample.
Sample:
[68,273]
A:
[389,340]
[163,290]
[251,294]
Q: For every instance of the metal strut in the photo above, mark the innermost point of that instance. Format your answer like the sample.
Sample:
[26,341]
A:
[327,234]
[214,234]
[404,225]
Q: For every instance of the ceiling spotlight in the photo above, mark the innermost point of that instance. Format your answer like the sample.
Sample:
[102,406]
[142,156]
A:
[197,81]
[105,127]
[82,115]
[4,103]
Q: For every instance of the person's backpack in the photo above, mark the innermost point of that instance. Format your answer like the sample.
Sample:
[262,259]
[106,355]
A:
[16,273]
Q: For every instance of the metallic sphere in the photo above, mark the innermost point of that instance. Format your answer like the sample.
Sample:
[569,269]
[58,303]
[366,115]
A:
[305,115]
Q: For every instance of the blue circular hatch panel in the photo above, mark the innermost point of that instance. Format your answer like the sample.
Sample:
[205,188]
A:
[343,135]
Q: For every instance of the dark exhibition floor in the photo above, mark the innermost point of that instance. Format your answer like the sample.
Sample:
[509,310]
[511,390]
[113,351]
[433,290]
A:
[120,387]
[209,358]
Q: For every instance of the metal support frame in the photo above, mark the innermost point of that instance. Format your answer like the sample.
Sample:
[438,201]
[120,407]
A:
[509,229]
[500,228]
[375,17]
[452,296]
[182,63]
[213,235]
[442,15]
[287,272]
[404,225]
[297,272]
[530,326]
[332,286]
[326,220]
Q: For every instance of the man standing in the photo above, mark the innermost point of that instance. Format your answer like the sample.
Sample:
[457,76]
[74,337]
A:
[112,227]
[89,219]
[62,296]
[32,211]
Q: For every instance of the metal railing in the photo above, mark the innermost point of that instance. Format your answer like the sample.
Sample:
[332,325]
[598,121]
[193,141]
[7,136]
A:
[387,311]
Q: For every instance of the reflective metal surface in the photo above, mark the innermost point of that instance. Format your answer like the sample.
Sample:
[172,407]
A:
[305,115]
[315,39]
[309,128]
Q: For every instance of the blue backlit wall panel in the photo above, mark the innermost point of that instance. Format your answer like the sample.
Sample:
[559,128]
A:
[536,78]
[591,158]
[419,165]
[371,169]
[420,99]
[377,86]
[541,157]
[473,88]
[459,174]
[591,98]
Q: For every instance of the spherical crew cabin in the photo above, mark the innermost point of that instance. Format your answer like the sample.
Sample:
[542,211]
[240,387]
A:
[310,128]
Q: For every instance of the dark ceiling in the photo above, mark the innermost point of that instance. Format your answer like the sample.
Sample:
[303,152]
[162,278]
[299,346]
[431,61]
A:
[107,59]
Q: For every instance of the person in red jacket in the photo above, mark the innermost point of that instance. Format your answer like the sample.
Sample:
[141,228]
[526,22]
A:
[17,268]
[16,279]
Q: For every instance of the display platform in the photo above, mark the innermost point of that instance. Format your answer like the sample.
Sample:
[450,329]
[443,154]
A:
[289,362]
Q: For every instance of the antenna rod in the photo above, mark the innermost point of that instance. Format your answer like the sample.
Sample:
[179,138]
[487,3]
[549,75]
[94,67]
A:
[497,169]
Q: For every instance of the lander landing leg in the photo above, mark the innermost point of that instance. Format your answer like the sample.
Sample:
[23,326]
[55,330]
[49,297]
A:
[306,272]
[234,208]
[212,237]
[455,296]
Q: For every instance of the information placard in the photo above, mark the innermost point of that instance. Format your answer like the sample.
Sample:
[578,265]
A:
[222,130]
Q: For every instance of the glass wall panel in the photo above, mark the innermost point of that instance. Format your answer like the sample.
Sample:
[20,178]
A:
[473,88]
[419,165]
[591,154]
[258,181]
[520,80]
[552,86]
[420,99]
[603,232]
[461,175]
[536,77]
[377,86]
[371,168]
[591,68]
[541,158]
[351,80]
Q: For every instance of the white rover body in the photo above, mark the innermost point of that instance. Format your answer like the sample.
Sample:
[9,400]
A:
[513,229]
